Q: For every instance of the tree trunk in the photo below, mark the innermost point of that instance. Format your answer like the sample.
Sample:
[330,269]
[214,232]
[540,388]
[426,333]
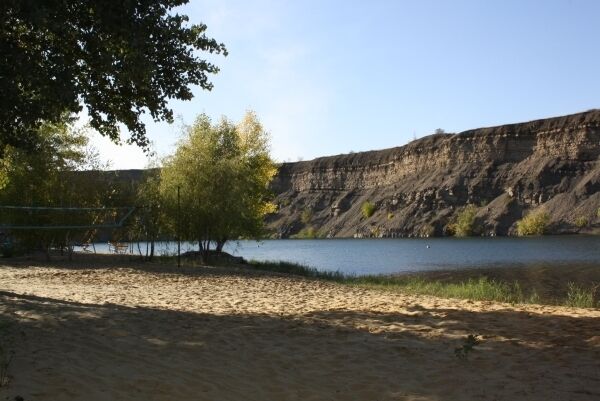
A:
[220,245]
[46,247]
[69,247]
[204,251]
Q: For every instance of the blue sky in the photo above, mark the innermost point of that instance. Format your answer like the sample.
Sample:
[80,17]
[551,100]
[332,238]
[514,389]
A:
[330,77]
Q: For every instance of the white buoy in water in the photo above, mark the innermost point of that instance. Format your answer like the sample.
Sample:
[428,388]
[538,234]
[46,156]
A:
[428,246]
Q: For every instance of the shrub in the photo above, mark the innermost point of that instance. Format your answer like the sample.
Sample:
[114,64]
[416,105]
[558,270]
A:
[581,221]
[535,223]
[307,233]
[390,216]
[368,209]
[465,222]
[427,231]
[306,216]
[450,229]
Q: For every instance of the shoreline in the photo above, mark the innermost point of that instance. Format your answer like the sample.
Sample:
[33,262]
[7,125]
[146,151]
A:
[388,256]
[542,283]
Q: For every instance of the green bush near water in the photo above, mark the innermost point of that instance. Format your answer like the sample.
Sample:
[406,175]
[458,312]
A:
[464,226]
[368,209]
[535,223]
[306,216]
[581,222]
[307,233]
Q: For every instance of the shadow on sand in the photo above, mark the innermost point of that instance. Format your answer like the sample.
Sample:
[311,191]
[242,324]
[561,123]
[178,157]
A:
[69,350]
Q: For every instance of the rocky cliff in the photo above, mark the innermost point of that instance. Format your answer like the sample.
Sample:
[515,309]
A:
[419,189]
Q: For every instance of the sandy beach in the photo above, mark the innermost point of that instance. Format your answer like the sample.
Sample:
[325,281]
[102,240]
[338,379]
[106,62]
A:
[115,329]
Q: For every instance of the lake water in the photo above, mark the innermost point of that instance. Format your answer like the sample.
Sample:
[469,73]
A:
[386,256]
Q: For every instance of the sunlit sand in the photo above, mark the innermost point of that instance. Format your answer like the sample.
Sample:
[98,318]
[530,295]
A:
[114,329]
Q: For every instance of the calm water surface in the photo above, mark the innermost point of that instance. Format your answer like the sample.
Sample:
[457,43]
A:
[385,256]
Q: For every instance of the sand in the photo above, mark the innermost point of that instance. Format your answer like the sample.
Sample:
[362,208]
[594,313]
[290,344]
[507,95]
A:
[122,330]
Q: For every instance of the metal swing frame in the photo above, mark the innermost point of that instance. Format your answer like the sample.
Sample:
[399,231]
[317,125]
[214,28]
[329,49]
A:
[129,209]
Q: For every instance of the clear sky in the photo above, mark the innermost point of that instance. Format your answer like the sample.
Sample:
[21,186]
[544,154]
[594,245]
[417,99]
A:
[329,77]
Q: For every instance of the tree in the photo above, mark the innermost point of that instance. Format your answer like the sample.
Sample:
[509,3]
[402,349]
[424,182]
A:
[118,58]
[48,178]
[222,172]
[148,221]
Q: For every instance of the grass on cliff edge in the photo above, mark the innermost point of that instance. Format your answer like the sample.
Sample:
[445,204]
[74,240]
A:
[480,289]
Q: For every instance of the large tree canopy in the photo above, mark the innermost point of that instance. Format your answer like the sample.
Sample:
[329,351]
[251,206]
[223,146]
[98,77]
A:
[222,171]
[118,58]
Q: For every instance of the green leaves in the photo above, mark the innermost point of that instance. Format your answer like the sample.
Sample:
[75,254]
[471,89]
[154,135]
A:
[118,59]
[465,221]
[222,171]
[48,178]
[367,209]
[534,223]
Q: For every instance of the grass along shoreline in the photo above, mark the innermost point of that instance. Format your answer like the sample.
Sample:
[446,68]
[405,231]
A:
[474,288]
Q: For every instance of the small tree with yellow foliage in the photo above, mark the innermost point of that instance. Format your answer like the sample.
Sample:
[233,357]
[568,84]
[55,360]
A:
[534,223]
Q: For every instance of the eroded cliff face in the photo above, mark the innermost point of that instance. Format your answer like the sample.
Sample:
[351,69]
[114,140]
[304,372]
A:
[418,189]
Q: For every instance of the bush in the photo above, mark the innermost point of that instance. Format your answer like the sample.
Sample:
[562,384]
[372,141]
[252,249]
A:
[375,232]
[307,233]
[535,223]
[390,216]
[368,209]
[427,231]
[465,222]
[581,221]
[306,216]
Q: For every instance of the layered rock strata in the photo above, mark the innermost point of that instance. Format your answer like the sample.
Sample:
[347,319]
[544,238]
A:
[419,189]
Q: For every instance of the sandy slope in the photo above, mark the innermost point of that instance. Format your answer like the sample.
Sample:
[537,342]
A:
[124,331]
